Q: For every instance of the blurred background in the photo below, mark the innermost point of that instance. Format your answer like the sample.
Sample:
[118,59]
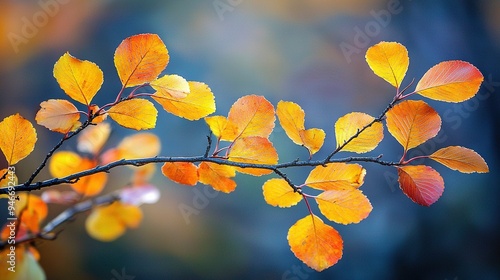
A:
[309,52]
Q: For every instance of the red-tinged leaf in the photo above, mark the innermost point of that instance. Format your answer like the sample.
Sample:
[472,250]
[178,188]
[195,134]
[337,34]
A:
[389,61]
[218,176]
[257,150]
[461,159]
[450,81]
[139,195]
[58,115]
[315,243]
[421,183]
[173,86]
[292,119]
[140,59]
[199,103]
[412,122]
[17,138]
[336,176]
[185,173]
[277,192]
[344,206]
[136,114]
[250,115]
[348,125]
[80,79]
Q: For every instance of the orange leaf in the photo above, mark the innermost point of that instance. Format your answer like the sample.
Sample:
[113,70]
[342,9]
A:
[450,81]
[257,150]
[80,80]
[412,122]
[174,86]
[26,264]
[336,176]
[421,183]
[250,115]
[17,138]
[292,119]
[461,159]
[348,125]
[99,118]
[136,114]
[32,210]
[197,104]
[138,145]
[92,139]
[344,206]
[389,61]
[277,192]
[9,180]
[315,243]
[217,124]
[217,176]
[140,59]
[58,115]
[184,173]
[107,223]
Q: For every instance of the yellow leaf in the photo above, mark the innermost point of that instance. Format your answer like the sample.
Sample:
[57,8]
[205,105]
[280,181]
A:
[107,223]
[315,243]
[138,145]
[389,61]
[185,173]
[412,122]
[277,192]
[292,119]
[336,176]
[171,85]
[256,150]
[420,183]
[17,138]
[250,115]
[80,80]
[136,114]
[140,59]
[9,180]
[92,139]
[58,115]
[217,176]
[450,81]
[344,206]
[461,159]
[348,125]
[26,264]
[217,124]
[199,103]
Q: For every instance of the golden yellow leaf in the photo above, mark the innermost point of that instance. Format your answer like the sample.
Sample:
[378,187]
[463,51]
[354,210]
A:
[92,139]
[107,223]
[258,150]
[140,59]
[389,61]
[344,206]
[217,124]
[450,81]
[315,243]
[336,176]
[17,138]
[250,115]
[217,176]
[171,85]
[348,125]
[80,80]
[277,192]
[461,159]
[412,122]
[58,115]
[185,173]
[9,180]
[135,113]
[199,103]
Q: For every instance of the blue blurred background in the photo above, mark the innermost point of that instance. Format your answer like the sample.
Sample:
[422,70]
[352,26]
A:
[284,50]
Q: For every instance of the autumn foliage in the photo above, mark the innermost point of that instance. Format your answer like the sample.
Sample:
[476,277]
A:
[242,145]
